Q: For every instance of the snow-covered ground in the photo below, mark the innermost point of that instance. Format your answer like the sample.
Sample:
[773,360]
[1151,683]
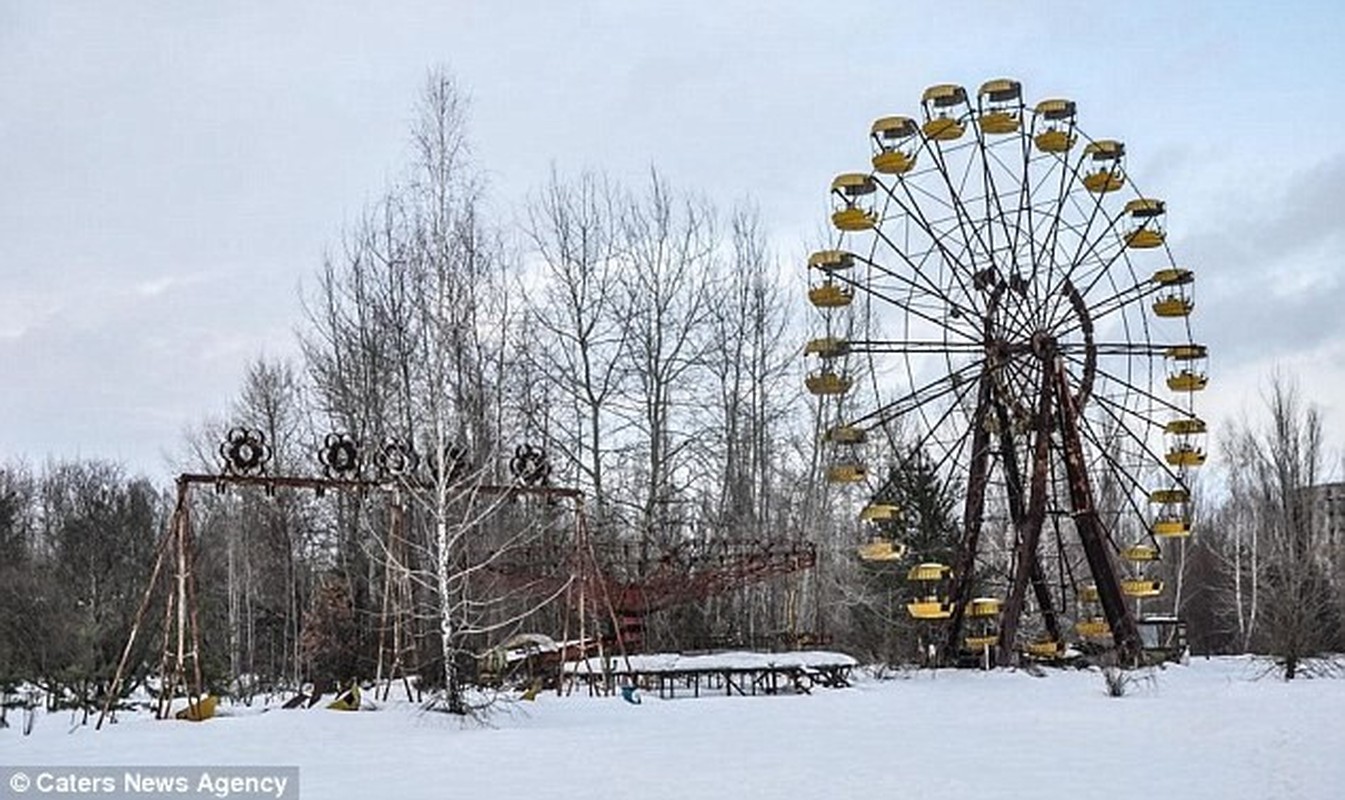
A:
[1212,729]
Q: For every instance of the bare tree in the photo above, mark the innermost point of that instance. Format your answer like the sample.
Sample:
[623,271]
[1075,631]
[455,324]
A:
[575,327]
[670,244]
[1275,545]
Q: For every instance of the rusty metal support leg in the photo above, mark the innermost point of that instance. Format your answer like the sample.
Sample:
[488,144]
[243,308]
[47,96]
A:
[1092,532]
[973,511]
[1029,530]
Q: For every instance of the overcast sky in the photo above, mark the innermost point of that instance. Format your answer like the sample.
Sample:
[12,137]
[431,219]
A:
[171,173]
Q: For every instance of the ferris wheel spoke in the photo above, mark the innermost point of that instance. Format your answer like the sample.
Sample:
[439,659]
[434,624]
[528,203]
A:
[917,312]
[1119,471]
[1118,301]
[926,287]
[1137,390]
[963,216]
[910,347]
[931,392]
[912,211]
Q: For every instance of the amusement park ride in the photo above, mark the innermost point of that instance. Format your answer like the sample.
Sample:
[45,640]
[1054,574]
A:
[611,590]
[1001,302]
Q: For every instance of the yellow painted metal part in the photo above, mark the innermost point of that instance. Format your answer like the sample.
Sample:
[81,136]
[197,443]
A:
[1140,553]
[845,434]
[984,607]
[1169,496]
[893,128]
[1136,587]
[830,295]
[827,347]
[893,162]
[853,184]
[1093,628]
[1184,455]
[929,571]
[1046,648]
[1104,180]
[881,550]
[1055,109]
[831,260]
[1000,122]
[1187,426]
[847,473]
[893,136]
[1001,90]
[1088,593]
[349,700]
[826,382]
[943,95]
[1144,238]
[1186,352]
[1054,140]
[1174,306]
[1105,150]
[880,512]
[1173,276]
[1172,528]
[980,642]
[929,609]
[200,710]
[852,218]
[1145,207]
[1188,381]
[943,129]
[1108,177]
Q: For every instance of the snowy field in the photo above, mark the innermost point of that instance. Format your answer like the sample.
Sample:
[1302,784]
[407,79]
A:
[1213,729]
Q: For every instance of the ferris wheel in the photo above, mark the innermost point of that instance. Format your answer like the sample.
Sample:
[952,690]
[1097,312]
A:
[1001,307]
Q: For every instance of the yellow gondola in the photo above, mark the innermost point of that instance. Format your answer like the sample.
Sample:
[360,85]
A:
[1140,553]
[1000,112]
[1173,306]
[895,145]
[1046,649]
[1141,587]
[929,609]
[1174,276]
[880,512]
[1088,593]
[1172,528]
[1169,496]
[847,473]
[1188,380]
[1093,628]
[831,260]
[1058,118]
[845,434]
[826,382]
[1108,175]
[1147,214]
[928,572]
[827,347]
[878,549]
[1185,426]
[984,607]
[1185,455]
[980,642]
[1187,352]
[830,295]
[850,188]
[939,126]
